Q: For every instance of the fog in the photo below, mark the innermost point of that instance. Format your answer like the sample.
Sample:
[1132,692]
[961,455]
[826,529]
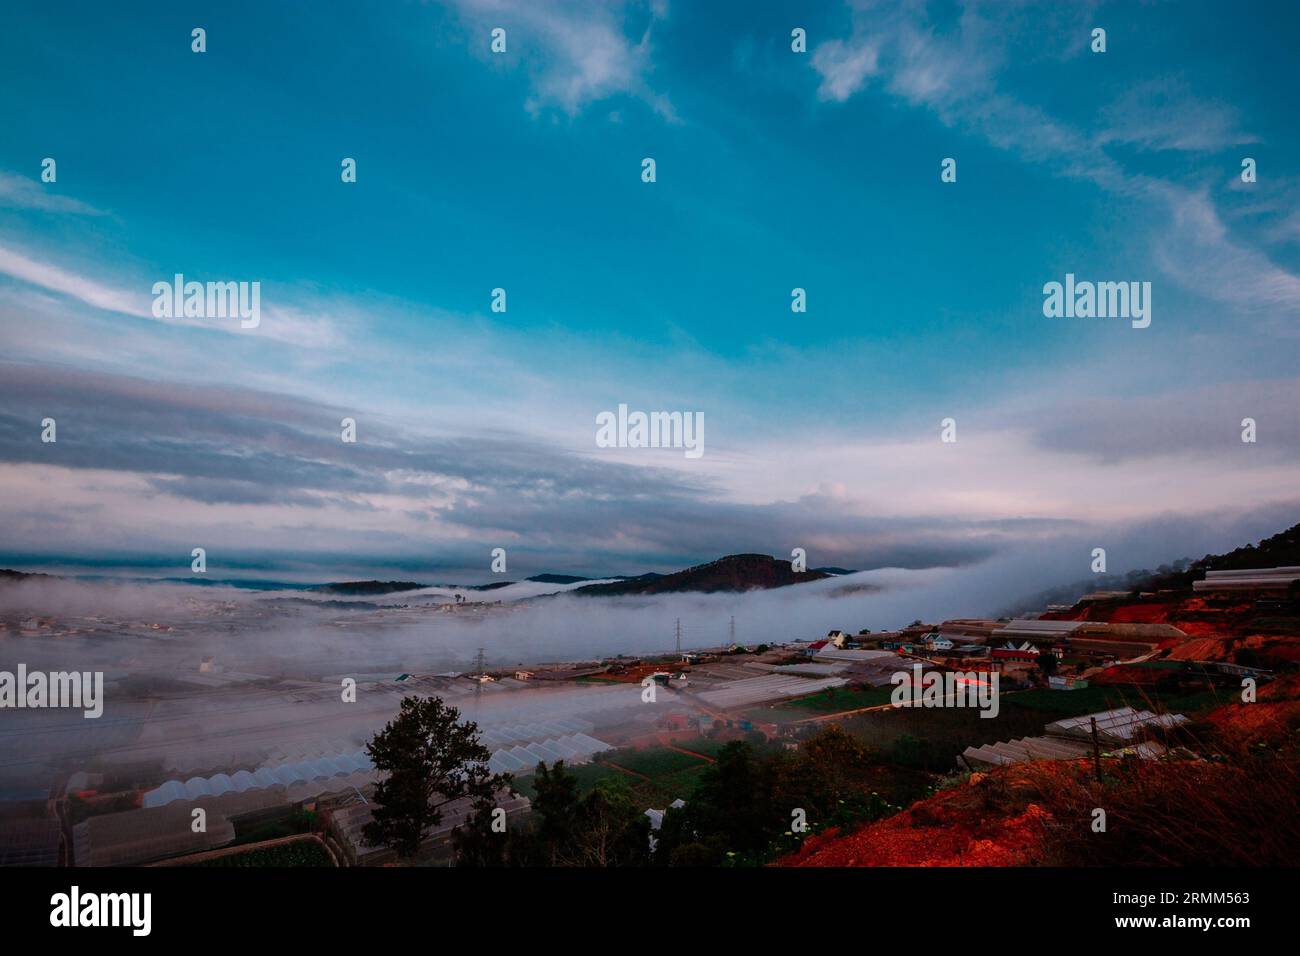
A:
[311,635]
[275,660]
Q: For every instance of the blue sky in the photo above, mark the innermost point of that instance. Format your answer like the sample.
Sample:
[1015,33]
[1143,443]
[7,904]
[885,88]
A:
[775,170]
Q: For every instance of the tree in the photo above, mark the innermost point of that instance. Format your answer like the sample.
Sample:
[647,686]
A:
[731,807]
[694,855]
[604,827]
[612,830]
[431,759]
[556,811]
[835,758]
[478,843]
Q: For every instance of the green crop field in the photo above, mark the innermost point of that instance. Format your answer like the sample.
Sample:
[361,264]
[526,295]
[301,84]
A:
[661,791]
[300,853]
[665,775]
[835,699]
[653,762]
[707,746]
[1056,704]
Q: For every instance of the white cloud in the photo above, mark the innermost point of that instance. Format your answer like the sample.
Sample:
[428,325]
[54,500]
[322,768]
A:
[579,54]
[955,75]
[292,323]
[1163,114]
[844,67]
[1200,255]
[18,266]
[18,192]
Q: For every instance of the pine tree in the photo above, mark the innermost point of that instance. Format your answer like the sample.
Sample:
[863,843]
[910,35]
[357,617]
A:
[431,759]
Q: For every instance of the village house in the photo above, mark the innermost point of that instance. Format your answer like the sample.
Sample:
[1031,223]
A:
[937,642]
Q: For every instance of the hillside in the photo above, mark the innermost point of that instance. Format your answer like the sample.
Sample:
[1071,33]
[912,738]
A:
[368,587]
[1235,806]
[7,575]
[734,573]
[1279,551]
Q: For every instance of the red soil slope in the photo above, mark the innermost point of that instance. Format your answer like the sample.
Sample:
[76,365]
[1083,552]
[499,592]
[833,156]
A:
[994,819]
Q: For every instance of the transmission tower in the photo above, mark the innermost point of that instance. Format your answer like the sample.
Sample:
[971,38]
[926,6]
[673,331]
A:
[479,672]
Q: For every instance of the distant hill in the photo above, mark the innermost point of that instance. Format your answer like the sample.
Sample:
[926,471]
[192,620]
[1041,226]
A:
[339,605]
[368,587]
[835,571]
[371,588]
[1282,550]
[12,577]
[736,572]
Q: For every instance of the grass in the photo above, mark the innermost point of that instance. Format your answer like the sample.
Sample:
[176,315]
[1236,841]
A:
[931,738]
[652,762]
[1056,704]
[708,746]
[662,791]
[835,699]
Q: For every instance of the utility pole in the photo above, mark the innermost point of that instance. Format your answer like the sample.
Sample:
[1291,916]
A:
[733,629]
[679,637]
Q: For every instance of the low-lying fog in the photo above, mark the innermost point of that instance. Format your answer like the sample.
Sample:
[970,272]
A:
[254,702]
[314,634]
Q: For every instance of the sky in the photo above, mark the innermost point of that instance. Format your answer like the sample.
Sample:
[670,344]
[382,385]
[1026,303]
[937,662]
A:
[522,170]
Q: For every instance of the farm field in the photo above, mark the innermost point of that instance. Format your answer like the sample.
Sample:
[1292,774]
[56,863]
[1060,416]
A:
[1055,704]
[656,775]
[303,853]
[835,699]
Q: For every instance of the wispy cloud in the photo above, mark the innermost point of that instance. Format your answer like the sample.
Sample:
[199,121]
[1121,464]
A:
[1163,114]
[152,465]
[162,462]
[577,54]
[92,292]
[295,324]
[844,67]
[18,192]
[1202,256]
[955,74]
